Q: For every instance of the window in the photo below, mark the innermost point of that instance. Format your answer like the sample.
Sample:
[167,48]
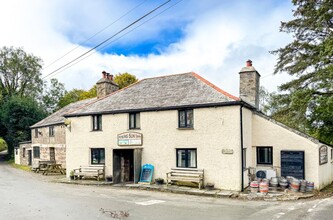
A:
[134,120]
[187,158]
[97,122]
[185,118]
[51,131]
[331,153]
[244,159]
[36,132]
[97,156]
[23,153]
[36,152]
[265,155]
[16,151]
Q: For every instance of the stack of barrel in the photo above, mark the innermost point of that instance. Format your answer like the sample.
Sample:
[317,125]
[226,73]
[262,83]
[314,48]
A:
[254,186]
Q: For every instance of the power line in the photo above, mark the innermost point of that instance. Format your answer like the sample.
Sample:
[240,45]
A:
[119,37]
[100,31]
[103,42]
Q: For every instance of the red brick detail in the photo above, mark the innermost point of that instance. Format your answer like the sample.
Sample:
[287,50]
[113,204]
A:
[215,87]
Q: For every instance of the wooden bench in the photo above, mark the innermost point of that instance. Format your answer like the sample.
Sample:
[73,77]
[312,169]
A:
[186,175]
[89,171]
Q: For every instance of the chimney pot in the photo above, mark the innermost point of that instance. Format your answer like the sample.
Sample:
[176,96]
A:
[249,63]
[104,74]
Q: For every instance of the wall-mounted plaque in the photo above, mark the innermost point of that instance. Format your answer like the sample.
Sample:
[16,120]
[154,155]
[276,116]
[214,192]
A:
[130,139]
[227,151]
[323,155]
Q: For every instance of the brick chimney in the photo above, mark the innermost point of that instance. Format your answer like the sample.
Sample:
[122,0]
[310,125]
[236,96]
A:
[249,84]
[106,85]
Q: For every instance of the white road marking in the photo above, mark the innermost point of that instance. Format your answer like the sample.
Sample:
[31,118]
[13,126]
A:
[150,202]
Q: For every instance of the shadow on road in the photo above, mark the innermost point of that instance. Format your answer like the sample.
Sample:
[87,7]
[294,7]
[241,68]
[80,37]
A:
[3,155]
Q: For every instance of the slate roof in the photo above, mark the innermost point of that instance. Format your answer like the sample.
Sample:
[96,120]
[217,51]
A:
[158,93]
[57,117]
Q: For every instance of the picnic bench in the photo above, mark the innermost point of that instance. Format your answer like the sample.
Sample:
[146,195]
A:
[54,168]
[89,171]
[42,165]
[186,175]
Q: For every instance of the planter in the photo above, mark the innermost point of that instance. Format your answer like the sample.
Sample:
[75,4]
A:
[108,179]
[209,186]
[159,181]
[71,177]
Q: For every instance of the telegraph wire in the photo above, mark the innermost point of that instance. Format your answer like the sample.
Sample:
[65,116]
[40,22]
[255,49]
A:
[103,42]
[100,31]
[118,37]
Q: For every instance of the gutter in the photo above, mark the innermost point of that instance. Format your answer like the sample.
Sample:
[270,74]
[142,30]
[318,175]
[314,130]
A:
[148,109]
[241,145]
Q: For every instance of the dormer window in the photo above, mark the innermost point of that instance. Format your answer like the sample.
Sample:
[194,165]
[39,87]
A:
[97,122]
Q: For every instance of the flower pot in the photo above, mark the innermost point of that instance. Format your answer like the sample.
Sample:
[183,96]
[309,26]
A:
[159,181]
[108,179]
[71,177]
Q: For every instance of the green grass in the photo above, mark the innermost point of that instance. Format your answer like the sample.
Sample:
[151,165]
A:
[18,166]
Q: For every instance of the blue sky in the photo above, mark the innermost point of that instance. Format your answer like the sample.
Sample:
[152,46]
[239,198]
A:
[213,38]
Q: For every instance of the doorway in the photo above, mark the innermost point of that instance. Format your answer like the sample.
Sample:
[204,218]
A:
[52,154]
[126,165]
[29,157]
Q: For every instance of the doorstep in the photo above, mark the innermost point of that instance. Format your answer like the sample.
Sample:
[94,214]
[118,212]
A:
[83,182]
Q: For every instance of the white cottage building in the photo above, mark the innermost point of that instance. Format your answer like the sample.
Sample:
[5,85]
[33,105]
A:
[185,121]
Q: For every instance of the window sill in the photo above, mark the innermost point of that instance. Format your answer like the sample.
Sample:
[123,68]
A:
[95,130]
[185,128]
[133,129]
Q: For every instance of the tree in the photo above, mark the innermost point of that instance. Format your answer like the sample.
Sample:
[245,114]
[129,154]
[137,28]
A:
[76,95]
[20,73]
[307,101]
[3,145]
[53,95]
[17,114]
[125,79]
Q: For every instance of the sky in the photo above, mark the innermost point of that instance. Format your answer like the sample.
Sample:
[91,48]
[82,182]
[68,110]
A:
[213,38]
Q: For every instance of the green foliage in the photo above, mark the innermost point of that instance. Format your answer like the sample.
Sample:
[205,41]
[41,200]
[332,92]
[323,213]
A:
[3,145]
[307,101]
[124,79]
[76,95]
[19,73]
[53,95]
[17,114]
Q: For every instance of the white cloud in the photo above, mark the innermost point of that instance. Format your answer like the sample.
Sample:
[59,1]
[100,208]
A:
[218,38]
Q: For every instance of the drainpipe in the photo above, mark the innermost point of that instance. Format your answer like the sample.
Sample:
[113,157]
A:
[241,136]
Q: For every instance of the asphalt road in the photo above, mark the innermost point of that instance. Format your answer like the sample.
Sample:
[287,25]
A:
[25,195]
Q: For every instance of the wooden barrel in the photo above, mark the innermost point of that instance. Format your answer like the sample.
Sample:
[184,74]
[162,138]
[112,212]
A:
[294,185]
[263,187]
[309,186]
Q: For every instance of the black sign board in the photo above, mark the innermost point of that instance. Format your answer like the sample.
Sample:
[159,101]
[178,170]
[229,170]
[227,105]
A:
[292,164]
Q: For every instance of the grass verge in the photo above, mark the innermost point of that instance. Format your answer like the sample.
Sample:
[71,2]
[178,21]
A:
[18,166]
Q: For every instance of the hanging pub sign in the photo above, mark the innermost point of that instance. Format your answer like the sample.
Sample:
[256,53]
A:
[323,157]
[130,139]
[147,172]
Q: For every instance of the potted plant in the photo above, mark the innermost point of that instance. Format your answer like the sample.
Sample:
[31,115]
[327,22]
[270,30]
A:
[71,175]
[159,181]
[108,178]
[209,186]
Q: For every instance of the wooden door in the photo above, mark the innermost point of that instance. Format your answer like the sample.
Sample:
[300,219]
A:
[137,164]
[52,154]
[29,157]
[116,167]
